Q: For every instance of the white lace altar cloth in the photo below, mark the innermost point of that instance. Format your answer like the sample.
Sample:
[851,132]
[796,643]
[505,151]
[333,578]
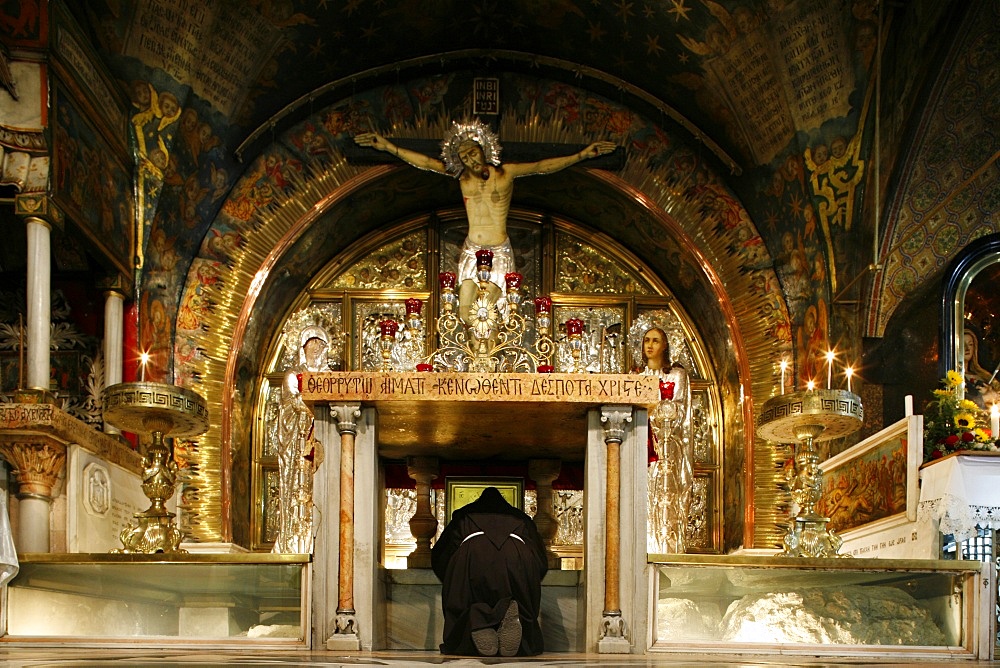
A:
[960,492]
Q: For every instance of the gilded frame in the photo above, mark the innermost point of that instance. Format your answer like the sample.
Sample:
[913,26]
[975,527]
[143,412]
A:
[460,491]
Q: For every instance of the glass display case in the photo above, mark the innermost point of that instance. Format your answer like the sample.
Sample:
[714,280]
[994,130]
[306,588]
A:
[174,600]
[817,606]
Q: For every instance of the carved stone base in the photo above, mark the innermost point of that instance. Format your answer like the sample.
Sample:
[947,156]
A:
[345,637]
[613,646]
[344,642]
[614,635]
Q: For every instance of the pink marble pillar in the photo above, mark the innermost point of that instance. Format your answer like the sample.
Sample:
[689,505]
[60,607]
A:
[614,629]
[346,415]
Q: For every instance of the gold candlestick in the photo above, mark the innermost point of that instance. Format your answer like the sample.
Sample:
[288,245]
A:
[805,418]
[159,410]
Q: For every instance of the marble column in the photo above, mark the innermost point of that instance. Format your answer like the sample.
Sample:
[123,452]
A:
[423,524]
[544,472]
[614,629]
[37,465]
[39,294]
[345,635]
[114,311]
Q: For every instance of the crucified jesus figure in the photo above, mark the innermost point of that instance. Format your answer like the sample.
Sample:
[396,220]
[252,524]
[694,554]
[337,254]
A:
[471,153]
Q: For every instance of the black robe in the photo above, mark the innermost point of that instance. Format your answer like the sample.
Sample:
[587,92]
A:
[482,575]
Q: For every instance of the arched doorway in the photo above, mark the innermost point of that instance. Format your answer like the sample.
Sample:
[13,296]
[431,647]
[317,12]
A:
[587,275]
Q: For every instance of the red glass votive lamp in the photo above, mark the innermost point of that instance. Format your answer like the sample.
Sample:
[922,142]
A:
[484,258]
[545,368]
[574,327]
[543,311]
[388,328]
[413,307]
[666,390]
[484,264]
[424,366]
[513,280]
[446,279]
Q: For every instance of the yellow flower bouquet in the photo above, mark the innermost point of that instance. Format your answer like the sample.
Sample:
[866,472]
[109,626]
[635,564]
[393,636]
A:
[952,424]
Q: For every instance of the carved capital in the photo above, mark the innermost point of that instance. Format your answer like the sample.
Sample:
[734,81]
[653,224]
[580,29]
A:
[423,469]
[346,416]
[544,471]
[615,418]
[39,208]
[37,465]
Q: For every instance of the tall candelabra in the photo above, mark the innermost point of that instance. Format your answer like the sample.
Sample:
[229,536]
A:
[488,334]
[158,410]
[806,418]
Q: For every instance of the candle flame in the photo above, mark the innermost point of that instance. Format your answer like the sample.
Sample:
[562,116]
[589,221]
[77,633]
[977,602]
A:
[811,385]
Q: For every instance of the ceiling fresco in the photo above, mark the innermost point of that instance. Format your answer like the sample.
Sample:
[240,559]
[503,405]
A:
[774,95]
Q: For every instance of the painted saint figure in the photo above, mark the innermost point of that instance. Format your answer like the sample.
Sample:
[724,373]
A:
[299,452]
[471,153]
[980,384]
[671,443]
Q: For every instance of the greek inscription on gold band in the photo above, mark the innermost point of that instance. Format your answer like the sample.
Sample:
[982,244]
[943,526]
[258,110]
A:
[567,387]
[13,416]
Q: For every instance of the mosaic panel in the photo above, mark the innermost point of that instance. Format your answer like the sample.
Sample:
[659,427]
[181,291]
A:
[582,269]
[270,517]
[703,428]
[603,341]
[400,265]
[410,345]
[569,513]
[698,535]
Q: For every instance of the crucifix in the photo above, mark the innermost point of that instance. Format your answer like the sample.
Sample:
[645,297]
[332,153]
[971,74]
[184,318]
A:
[471,153]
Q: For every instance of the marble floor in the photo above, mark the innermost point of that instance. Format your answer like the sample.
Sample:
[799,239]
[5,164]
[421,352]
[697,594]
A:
[82,657]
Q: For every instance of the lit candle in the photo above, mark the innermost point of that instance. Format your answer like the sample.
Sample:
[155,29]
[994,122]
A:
[995,421]
[811,385]
[829,368]
[784,367]
[849,371]
[143,360]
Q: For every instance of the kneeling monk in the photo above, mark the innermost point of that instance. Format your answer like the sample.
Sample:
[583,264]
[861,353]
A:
[491,561]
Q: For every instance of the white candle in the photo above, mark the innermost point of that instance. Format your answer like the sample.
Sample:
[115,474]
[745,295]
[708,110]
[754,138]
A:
[784,367]
[849,371]
[995,421]
[142,367]
[908,405]
[811,385]
[829,368]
